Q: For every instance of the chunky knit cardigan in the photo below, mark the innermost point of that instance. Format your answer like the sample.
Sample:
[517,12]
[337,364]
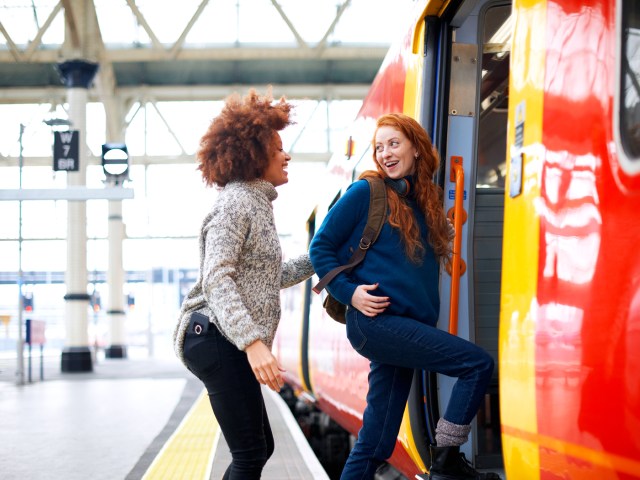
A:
[241,268]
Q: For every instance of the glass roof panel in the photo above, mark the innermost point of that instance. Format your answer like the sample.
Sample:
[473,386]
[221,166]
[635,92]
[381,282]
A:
[228,22]
[23,18]
[118,25]
[217,24]
[168,18]
[54,34]
[373,21]
[311,19]
[259,21]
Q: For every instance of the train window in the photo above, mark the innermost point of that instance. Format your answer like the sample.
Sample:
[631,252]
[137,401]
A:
[494,96]
[629,114]
[365,162]
[333,202]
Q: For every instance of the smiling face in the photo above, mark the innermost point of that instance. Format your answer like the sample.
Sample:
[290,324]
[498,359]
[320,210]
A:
[276,172]
[395,154]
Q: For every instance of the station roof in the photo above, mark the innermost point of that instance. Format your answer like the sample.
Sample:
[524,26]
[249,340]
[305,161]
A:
[196,49]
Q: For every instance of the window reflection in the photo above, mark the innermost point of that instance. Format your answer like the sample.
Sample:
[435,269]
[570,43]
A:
[630,78]
[494,96]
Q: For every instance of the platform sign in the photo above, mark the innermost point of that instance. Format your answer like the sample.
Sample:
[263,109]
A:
[66,151]
[35,336]
[35,332]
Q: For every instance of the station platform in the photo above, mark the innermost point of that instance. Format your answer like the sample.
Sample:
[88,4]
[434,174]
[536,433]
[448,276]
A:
[134,418]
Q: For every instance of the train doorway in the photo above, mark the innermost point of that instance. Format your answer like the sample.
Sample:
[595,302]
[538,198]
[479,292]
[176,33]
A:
[473,131]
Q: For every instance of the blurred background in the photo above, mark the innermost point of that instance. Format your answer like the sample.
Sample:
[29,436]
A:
[164,68]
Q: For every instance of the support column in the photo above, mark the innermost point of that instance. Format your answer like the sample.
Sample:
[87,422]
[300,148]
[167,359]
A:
[116,275]
[77,76]
[115,279]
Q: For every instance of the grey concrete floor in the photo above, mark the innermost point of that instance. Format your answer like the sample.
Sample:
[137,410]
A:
[89,425]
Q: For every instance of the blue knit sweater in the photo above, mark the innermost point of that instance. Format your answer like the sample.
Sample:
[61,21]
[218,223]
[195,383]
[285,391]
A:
[412,288]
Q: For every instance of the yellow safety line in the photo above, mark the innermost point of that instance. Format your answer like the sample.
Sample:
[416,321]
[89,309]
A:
[188,454]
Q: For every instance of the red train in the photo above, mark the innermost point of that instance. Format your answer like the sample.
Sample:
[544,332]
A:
[539,102]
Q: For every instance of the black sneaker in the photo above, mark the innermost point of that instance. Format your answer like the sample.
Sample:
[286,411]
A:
[448,463]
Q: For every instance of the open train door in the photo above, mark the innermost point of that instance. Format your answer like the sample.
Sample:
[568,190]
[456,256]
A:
[464,108]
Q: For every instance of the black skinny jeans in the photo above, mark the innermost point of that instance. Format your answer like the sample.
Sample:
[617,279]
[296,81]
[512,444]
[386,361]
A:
[236,400]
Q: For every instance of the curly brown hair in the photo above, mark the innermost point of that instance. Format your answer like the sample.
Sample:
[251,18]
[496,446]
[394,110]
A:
[428,194]
[237,144]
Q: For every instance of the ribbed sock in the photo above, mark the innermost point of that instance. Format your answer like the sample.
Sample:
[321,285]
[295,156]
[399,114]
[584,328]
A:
[450,434]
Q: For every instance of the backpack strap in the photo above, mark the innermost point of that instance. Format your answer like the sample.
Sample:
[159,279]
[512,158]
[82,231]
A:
[377,212]
[375,220]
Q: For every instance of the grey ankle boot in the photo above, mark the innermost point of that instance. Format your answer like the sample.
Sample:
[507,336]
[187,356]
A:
[447,463]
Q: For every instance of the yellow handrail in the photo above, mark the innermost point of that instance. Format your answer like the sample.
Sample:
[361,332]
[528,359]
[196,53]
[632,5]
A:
[459,216]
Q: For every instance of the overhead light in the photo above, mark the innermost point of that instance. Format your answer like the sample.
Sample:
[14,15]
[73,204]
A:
[115,162]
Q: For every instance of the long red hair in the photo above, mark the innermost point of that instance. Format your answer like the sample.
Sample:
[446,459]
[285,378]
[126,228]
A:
[428,195]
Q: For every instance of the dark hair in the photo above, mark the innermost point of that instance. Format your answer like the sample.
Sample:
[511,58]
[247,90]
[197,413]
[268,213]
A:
[237,144]
[428,194]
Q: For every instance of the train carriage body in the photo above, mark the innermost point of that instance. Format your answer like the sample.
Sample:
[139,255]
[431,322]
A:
[538,102]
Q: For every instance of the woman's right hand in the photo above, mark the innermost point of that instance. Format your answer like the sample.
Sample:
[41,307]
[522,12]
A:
[265,366]
[451,230]
[369,305]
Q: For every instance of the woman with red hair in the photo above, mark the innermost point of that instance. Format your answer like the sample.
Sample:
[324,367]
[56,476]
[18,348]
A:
[393,302]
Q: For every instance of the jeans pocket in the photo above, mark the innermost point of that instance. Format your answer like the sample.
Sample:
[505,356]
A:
[354,332]
[201,353]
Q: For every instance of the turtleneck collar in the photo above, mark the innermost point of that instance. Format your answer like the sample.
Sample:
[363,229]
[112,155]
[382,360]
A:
[262,186]
[412,183]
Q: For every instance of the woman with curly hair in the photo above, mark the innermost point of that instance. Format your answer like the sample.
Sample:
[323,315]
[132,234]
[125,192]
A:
[393,301]
[229,318]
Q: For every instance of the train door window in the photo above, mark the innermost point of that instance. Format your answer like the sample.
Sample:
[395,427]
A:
[365,162]
[334,201]
[488,208]
[629,110]
[494,93]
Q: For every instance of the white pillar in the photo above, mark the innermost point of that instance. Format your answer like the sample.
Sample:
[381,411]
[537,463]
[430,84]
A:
[76,355]
[116,275]
[115,280]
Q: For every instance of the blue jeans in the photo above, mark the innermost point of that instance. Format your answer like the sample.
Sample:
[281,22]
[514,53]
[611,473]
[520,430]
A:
[396,346]
[236,399]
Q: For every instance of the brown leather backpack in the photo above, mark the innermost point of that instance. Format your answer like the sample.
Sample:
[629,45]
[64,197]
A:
[375,220]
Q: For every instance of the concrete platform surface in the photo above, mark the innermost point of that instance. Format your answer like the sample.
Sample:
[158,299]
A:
[114,422]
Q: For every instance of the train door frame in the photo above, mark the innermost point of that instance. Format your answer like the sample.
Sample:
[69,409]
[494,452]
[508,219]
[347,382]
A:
[422,404]
[486,230]
[306,314]
[460,120]
[453,83]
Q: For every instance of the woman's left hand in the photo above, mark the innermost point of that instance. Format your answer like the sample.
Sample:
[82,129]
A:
[368,304]
[265,366]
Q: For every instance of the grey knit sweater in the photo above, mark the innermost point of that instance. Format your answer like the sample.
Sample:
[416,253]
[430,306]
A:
[241,268]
